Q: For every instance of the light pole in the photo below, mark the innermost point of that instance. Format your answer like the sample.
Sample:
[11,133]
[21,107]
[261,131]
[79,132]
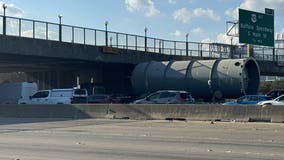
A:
[106,23]
[186,45]
[4,6]
[110,40]
[160,43]
[231,48]
[145,30]
[60,27]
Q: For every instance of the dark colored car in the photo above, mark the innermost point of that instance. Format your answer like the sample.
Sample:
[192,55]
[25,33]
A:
[100,98]
[93,88]
[248,99]
[275,93]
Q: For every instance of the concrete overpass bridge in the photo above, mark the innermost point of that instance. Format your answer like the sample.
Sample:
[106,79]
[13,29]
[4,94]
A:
[58,55]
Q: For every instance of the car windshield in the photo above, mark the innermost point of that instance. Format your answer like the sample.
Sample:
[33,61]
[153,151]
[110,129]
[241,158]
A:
[41,94]
[280,98]
[242,99]
[185,95]
[153,96]
[249,98]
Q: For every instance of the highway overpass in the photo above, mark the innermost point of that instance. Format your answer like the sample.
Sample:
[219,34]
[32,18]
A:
[70,53]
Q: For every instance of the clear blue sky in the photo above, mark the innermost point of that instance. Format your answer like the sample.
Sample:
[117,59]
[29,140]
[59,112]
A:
[203,20]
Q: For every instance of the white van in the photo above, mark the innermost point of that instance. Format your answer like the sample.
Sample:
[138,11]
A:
[16,93]
[59,96]
[40,97]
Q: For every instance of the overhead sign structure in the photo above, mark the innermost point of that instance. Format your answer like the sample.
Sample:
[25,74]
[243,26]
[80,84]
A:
[256,28]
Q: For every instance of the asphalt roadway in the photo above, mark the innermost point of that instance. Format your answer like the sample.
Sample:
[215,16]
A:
[103,139]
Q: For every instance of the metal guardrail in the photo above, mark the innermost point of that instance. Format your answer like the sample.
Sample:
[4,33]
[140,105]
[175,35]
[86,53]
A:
[21,27]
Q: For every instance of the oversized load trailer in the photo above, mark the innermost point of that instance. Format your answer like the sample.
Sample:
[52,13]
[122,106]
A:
[16,93]
[207,79]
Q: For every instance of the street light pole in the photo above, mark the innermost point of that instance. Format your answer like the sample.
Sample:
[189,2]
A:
[106,23]
[186,45]
[60,27]
[110,39]
[231,48]
[4,6]
[145,30]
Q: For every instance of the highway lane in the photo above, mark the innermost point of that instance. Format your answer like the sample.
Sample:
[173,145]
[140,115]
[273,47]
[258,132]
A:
[91,139]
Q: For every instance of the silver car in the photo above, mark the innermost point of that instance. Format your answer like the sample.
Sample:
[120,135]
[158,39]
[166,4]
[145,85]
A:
[277,101]
[166,97]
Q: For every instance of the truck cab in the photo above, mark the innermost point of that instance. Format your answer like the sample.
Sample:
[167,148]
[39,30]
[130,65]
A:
[40,97]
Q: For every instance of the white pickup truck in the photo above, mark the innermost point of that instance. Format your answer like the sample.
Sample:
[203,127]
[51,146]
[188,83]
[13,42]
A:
[59,96]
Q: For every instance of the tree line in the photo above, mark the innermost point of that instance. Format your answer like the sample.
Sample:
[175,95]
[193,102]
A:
[266,86]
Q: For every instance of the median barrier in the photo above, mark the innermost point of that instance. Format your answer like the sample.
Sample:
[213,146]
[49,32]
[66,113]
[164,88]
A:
[273,113]
[199,112]
[91,111]
[41,111]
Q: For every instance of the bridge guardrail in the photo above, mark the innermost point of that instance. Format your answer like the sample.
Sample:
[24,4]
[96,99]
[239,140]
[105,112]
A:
[28,28]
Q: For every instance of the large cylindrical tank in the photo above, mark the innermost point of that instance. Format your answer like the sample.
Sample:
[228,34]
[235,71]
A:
[221,78]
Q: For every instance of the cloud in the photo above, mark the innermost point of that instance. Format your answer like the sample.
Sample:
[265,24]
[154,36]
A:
[145,6]
[257,5]
[233,13]
[207,40]
[12,10]
[223,38]
[200,12]
[197,31]
[182,15]
[177,33]
[172,1]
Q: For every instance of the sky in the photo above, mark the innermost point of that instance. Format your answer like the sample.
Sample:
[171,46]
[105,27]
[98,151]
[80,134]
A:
[202,20]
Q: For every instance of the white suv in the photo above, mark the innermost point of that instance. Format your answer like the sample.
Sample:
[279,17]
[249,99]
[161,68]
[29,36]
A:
[166,97]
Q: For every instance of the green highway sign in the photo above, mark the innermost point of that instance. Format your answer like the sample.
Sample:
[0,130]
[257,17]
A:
[269,11]
[256,28]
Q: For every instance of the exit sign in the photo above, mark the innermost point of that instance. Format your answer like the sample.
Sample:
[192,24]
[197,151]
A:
[256,28]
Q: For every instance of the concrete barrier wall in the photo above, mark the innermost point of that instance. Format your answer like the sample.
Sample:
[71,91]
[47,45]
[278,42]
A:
[203,112]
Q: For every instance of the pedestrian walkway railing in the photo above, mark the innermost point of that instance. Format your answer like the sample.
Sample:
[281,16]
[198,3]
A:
[12,26]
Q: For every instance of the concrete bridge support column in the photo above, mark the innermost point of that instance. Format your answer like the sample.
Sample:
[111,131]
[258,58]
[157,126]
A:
[63,79]
[36,77]
[52,79]
[89,76]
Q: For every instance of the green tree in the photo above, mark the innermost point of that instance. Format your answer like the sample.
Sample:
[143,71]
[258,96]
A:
[277,85]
